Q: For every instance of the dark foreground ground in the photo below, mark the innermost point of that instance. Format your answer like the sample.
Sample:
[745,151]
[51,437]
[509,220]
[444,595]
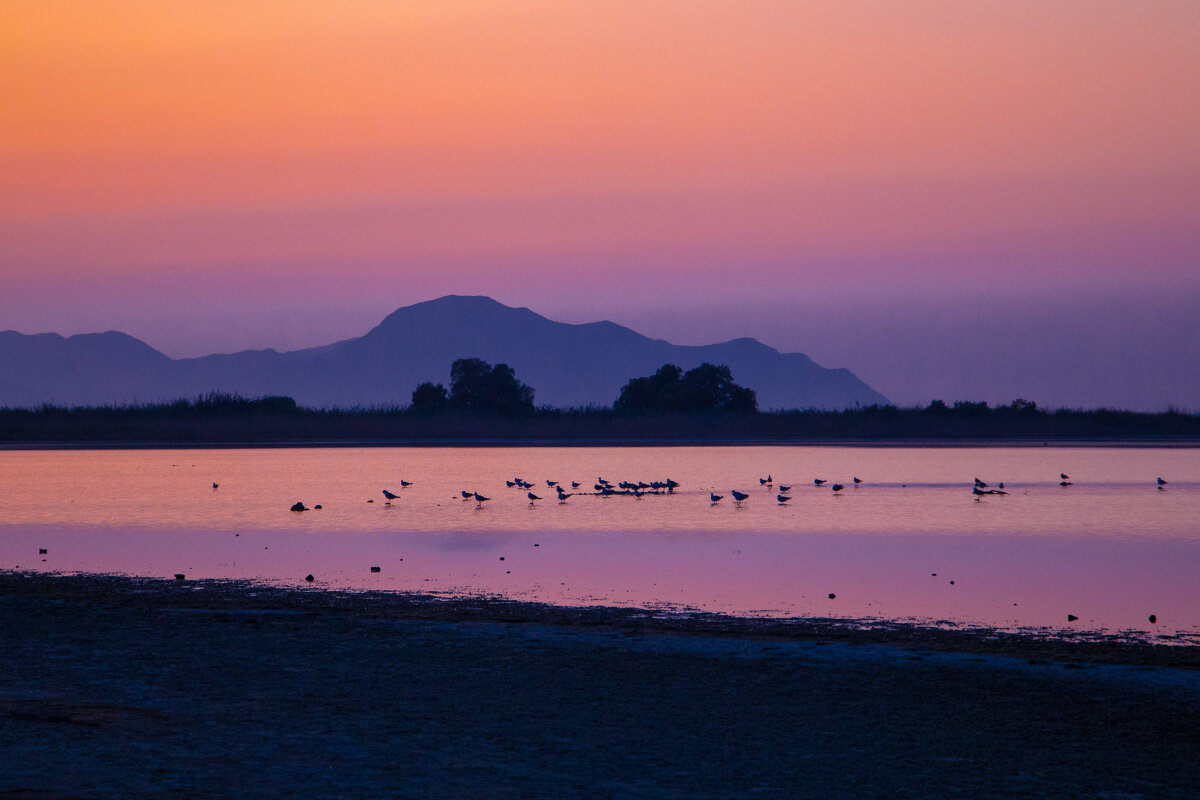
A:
[114,687]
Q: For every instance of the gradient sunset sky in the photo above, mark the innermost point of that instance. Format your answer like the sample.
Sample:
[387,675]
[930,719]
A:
[977,200]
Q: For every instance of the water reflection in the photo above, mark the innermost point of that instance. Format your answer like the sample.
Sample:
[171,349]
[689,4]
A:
[1111,549]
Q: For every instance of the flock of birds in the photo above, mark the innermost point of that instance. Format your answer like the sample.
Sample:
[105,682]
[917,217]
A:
[783,496]
[981,488]
[604,488]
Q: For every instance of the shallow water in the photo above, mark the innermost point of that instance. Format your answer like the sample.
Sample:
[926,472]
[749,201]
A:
[1112,548]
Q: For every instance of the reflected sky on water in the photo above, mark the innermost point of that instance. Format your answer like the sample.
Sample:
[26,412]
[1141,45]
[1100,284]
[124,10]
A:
[1111,548]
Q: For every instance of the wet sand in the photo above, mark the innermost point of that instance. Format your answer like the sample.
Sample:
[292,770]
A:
[129,687]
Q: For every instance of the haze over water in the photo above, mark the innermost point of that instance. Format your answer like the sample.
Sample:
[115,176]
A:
[1111,549]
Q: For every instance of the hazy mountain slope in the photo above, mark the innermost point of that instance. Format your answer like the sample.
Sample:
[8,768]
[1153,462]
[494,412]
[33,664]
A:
[568,365]
[91,368]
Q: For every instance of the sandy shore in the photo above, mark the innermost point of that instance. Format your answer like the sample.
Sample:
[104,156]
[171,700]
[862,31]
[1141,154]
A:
[128,687]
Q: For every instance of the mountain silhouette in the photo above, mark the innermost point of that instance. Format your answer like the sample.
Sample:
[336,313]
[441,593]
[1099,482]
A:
[567,365]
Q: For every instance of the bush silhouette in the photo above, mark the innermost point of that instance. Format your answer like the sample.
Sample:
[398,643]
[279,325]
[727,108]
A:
[429,398]
[476,385]
[708,387]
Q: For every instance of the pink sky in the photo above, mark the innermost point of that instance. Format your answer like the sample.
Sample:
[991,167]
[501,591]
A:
[231,175]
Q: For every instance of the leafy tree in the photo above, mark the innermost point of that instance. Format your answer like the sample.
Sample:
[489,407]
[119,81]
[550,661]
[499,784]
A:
[708,387]
[429,398]
[476,385]
[656,392]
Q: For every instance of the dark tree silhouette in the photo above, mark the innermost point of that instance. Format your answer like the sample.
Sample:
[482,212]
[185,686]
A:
[708,387]
[658,392]
[476,385]
[429,398]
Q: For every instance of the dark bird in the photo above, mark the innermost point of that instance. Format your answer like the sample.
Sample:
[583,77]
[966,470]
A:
[510,484]
[782,498]
[714,497]
[1063,475]
[837,487]
[1161,482]
[532,497]
[574,484]
[818,481]
[738,496]
[390,496]
[980,484]
[783,488]
[466,495]
[1001,484]
[562,496]
[480,498]
[552,483]
[215,484]
[857,479]
[404,483]
[764,481]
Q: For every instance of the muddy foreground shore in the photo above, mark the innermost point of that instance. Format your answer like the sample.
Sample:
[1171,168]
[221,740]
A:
[127,687]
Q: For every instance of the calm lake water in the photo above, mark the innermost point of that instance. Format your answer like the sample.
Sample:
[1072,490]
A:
[911,542]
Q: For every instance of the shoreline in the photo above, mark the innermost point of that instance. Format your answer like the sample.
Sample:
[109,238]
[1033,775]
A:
[243,596]
[123,687]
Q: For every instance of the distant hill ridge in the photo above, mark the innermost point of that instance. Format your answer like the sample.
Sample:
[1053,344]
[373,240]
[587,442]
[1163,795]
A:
[567,364]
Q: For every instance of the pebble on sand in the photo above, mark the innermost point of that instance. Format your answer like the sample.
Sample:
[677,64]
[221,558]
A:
[501,558]
[375,569]
[309,578]
[1153,619]
[299,507]
[317,506]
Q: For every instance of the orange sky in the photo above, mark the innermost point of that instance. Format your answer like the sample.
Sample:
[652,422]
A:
[386,153]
